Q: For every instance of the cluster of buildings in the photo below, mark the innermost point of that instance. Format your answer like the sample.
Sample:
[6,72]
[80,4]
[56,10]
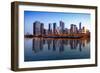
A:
[39,29]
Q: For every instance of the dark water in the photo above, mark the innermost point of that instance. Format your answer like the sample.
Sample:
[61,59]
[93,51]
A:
[39,49]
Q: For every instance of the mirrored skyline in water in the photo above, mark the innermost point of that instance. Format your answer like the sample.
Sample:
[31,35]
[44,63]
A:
[40,49]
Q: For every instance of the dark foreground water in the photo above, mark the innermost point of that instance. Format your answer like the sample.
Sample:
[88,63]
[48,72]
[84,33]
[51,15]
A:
[40,49]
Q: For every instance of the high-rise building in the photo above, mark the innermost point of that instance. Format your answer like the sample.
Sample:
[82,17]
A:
[80,26]
[62,26]
[42,29]
[80,29]
[73,28]
[54,28]
[50,29]
[37,28]
[34,31]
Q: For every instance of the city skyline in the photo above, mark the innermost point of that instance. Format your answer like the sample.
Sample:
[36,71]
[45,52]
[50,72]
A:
[48,18]
[53,29]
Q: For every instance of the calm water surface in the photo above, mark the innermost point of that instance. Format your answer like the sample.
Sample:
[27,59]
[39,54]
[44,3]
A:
[40,49]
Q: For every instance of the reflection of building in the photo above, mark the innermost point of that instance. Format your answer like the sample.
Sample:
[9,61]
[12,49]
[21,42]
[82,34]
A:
[49,42]
[73,44]
[61,47]
[80,45]
[40,44]
[37,45]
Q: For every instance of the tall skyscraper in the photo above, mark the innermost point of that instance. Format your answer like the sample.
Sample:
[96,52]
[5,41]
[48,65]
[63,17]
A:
[80,29]
[80,26]
[62,26]
[54,28]
[50,29]
[42,29]
[34,31]
[36,28]
[73,28]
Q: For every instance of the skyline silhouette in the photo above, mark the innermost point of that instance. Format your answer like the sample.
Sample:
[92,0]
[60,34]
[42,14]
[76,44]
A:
[54,17]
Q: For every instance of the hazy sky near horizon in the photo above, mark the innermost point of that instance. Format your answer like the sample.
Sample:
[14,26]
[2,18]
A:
[54,17]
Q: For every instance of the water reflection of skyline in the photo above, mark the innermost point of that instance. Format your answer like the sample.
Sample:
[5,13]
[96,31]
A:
[40,44]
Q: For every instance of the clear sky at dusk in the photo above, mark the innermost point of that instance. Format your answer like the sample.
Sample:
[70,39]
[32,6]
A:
[55,17]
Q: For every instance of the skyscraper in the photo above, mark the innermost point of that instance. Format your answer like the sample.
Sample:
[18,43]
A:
[42,29]
[54,28]
[80,29]
[34,31]
[73,28]
[80,26]
[37,28]
[49,29]
[62,26]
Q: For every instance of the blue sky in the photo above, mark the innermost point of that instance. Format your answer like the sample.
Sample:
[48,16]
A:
[52,17]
